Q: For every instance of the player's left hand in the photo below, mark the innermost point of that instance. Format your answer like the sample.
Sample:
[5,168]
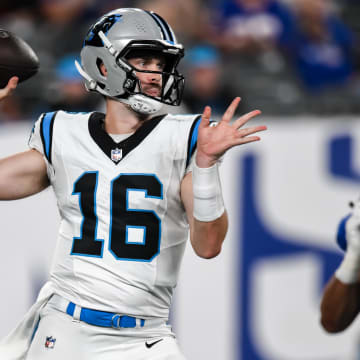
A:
[214,141]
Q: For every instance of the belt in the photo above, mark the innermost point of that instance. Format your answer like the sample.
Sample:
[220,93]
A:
[100,318]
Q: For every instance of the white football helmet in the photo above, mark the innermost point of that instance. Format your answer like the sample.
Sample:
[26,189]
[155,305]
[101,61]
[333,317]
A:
[112,40]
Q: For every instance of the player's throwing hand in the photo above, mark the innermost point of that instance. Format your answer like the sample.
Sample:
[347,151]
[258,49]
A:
[214,141]
[10,87]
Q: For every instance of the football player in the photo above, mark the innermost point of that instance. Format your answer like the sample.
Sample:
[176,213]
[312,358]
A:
[340,303]
[130,185]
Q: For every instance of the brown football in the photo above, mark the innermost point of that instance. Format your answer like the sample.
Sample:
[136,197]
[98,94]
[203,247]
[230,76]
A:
[17,58]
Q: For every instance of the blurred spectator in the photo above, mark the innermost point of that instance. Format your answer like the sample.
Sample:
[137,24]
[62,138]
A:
[69,93]
[188,18]
[319,60]
[104,6]
[323,47]
[253,25]
[11,5]
[204,82]
[61,27]
[53,28]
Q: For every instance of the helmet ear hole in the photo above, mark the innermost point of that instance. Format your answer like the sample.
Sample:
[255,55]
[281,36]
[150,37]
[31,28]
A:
[101,67]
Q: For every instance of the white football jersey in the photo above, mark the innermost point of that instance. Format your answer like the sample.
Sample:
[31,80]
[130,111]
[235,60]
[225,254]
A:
[123,226]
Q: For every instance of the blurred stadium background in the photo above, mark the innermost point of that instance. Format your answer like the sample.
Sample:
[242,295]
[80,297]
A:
[296,60]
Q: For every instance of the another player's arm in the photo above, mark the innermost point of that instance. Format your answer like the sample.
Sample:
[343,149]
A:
[22,175]
[340,305]
[201,190]
[340,302]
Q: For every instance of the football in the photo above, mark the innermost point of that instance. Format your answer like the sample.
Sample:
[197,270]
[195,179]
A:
[17,58]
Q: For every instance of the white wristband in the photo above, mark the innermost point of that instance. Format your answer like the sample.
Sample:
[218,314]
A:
[349,269]
[208,200]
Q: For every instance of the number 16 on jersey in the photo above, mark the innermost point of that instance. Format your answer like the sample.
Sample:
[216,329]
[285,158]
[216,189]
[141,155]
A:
[122,218]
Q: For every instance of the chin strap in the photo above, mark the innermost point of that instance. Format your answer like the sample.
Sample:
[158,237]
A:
[142,104]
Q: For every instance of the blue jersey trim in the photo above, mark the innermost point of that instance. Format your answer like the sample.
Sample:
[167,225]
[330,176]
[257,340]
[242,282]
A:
[46,130]
[193,139]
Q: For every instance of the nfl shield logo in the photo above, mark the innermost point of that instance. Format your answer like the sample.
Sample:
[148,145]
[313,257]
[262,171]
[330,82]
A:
[50,342]
[116,155]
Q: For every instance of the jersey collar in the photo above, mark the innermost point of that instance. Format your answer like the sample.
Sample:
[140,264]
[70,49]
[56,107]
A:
[117,151]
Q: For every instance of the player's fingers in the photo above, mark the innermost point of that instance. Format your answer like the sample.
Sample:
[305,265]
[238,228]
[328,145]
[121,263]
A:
[245,118]
[12,84]
[252,130]
[205,117]
[245,140]
[230,111]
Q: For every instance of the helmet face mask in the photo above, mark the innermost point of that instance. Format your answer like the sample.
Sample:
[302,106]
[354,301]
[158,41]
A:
[121,35]
[172,83]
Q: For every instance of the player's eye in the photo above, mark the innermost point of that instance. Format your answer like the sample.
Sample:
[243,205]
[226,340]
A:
[140,64]
[161,66]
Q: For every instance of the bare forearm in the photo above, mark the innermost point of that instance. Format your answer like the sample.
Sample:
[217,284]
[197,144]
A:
[22,175]
[340,305]
[207,237]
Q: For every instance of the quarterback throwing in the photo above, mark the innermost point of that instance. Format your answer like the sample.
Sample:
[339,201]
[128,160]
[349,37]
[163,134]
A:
[130,185]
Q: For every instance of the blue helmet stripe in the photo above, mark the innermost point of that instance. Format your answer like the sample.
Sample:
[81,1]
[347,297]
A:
[166,26]
[163,29]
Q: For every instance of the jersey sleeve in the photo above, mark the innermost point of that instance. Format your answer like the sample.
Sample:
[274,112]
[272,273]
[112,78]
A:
[192,143]
[42,134]
[41,138]
[34,139]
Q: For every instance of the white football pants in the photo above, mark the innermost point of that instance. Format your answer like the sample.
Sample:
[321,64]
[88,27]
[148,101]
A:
[58,337]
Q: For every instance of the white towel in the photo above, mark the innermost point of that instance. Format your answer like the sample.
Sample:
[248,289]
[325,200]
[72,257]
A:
[16,345]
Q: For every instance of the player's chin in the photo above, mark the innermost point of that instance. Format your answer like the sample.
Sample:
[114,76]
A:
[156,93]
